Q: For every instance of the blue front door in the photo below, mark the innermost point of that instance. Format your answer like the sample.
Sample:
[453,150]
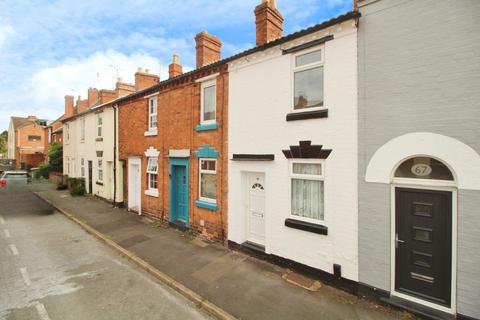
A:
[179,193]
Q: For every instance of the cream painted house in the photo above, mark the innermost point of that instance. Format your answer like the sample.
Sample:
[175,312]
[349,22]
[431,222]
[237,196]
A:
[90,142]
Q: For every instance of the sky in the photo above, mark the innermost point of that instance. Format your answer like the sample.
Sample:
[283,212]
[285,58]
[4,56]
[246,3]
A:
[49,49]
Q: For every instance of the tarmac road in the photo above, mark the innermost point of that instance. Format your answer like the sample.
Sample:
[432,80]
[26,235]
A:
[51,269]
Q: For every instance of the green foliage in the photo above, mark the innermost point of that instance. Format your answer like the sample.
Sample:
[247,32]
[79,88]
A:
[43,171]
[55,157]
[3,142]
[76,186]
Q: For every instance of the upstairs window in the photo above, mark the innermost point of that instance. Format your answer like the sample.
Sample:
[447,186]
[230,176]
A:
[152,114]
[208,102]
[208,180]
[34,138]
[67,132]
[99,124]
[308,80]
[82,129]
[82,167]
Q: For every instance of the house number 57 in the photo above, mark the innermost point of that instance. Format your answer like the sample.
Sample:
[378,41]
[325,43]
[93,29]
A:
[421,169]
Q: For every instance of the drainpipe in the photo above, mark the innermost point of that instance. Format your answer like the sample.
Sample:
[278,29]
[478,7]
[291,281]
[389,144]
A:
[114,155]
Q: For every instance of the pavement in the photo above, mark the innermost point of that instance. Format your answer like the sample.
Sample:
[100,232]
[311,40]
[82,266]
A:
[51,269]
[242,286]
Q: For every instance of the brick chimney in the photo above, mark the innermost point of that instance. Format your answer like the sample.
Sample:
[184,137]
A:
[269,22]
[123,88]
[105,95]
[208,48]
[144,79]
[81,105]
[32,118]
[175,68]
[355,5]
[69,111]
[92,96]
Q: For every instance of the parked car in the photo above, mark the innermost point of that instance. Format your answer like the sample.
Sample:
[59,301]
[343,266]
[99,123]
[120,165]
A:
[13,179]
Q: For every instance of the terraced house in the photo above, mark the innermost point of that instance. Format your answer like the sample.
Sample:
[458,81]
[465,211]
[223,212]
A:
[90,141]
[173,142]
[292,169]
[419,177]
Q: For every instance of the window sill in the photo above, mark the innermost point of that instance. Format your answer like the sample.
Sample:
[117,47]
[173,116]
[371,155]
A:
[306,226]
[99,139]
[206,205]
[304,115]
[99,183]
[150,133]
[206,127]
[152,192]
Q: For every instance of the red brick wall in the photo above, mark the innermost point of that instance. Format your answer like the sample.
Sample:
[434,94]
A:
[178,114]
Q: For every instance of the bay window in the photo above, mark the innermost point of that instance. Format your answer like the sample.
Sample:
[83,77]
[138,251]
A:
[307,190]
[208,180]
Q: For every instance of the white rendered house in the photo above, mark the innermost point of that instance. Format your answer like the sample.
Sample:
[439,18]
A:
[293,148]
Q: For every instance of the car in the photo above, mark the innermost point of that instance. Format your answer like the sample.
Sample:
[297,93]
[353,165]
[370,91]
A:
[13,179]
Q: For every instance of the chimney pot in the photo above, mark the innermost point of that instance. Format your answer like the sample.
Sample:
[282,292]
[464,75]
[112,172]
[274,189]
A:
[175,69]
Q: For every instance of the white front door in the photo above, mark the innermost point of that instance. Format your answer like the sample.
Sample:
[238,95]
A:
[256,208]
[134,183]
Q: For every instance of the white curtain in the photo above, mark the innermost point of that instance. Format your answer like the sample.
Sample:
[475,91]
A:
[307,198]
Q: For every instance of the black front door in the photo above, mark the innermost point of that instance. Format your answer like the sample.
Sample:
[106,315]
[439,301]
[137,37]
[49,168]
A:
[90,178]
[423,266]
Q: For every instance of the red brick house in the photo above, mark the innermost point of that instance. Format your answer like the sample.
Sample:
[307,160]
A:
[27,141]
[173,141]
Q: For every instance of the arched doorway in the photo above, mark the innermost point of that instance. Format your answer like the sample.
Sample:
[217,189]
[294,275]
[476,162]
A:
[424,232]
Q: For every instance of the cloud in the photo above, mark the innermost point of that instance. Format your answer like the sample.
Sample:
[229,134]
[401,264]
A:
[5,32]
[75,76]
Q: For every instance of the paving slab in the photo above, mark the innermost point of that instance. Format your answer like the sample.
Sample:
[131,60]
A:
[244,286]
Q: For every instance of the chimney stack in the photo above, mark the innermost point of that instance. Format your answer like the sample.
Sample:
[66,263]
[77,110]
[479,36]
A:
[92,96]
[69,106]
[175,68]
[123,88]
[144,79]
[82,105]
[269,22]
[208,48]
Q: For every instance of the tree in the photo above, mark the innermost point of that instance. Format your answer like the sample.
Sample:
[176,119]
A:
[3,142]
[55,157]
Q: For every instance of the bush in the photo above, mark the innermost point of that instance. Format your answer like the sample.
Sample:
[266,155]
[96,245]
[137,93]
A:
[43,171]
[76,186]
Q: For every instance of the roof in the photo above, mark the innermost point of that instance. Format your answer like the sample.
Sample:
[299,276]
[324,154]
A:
[19,122]
[342,18]
[58,130]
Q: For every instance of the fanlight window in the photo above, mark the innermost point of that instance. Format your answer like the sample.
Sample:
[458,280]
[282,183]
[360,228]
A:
[424,168]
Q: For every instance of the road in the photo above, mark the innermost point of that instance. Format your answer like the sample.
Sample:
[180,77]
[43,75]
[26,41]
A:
[51,269]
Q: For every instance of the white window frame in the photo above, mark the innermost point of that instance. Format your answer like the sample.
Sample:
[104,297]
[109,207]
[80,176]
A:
[320,177]
[204,85]
[82,167]
[151,114]
[151,191]
[67,129]
[100,169]
[99,124]
[82,129]
[200,171]
[295,69]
